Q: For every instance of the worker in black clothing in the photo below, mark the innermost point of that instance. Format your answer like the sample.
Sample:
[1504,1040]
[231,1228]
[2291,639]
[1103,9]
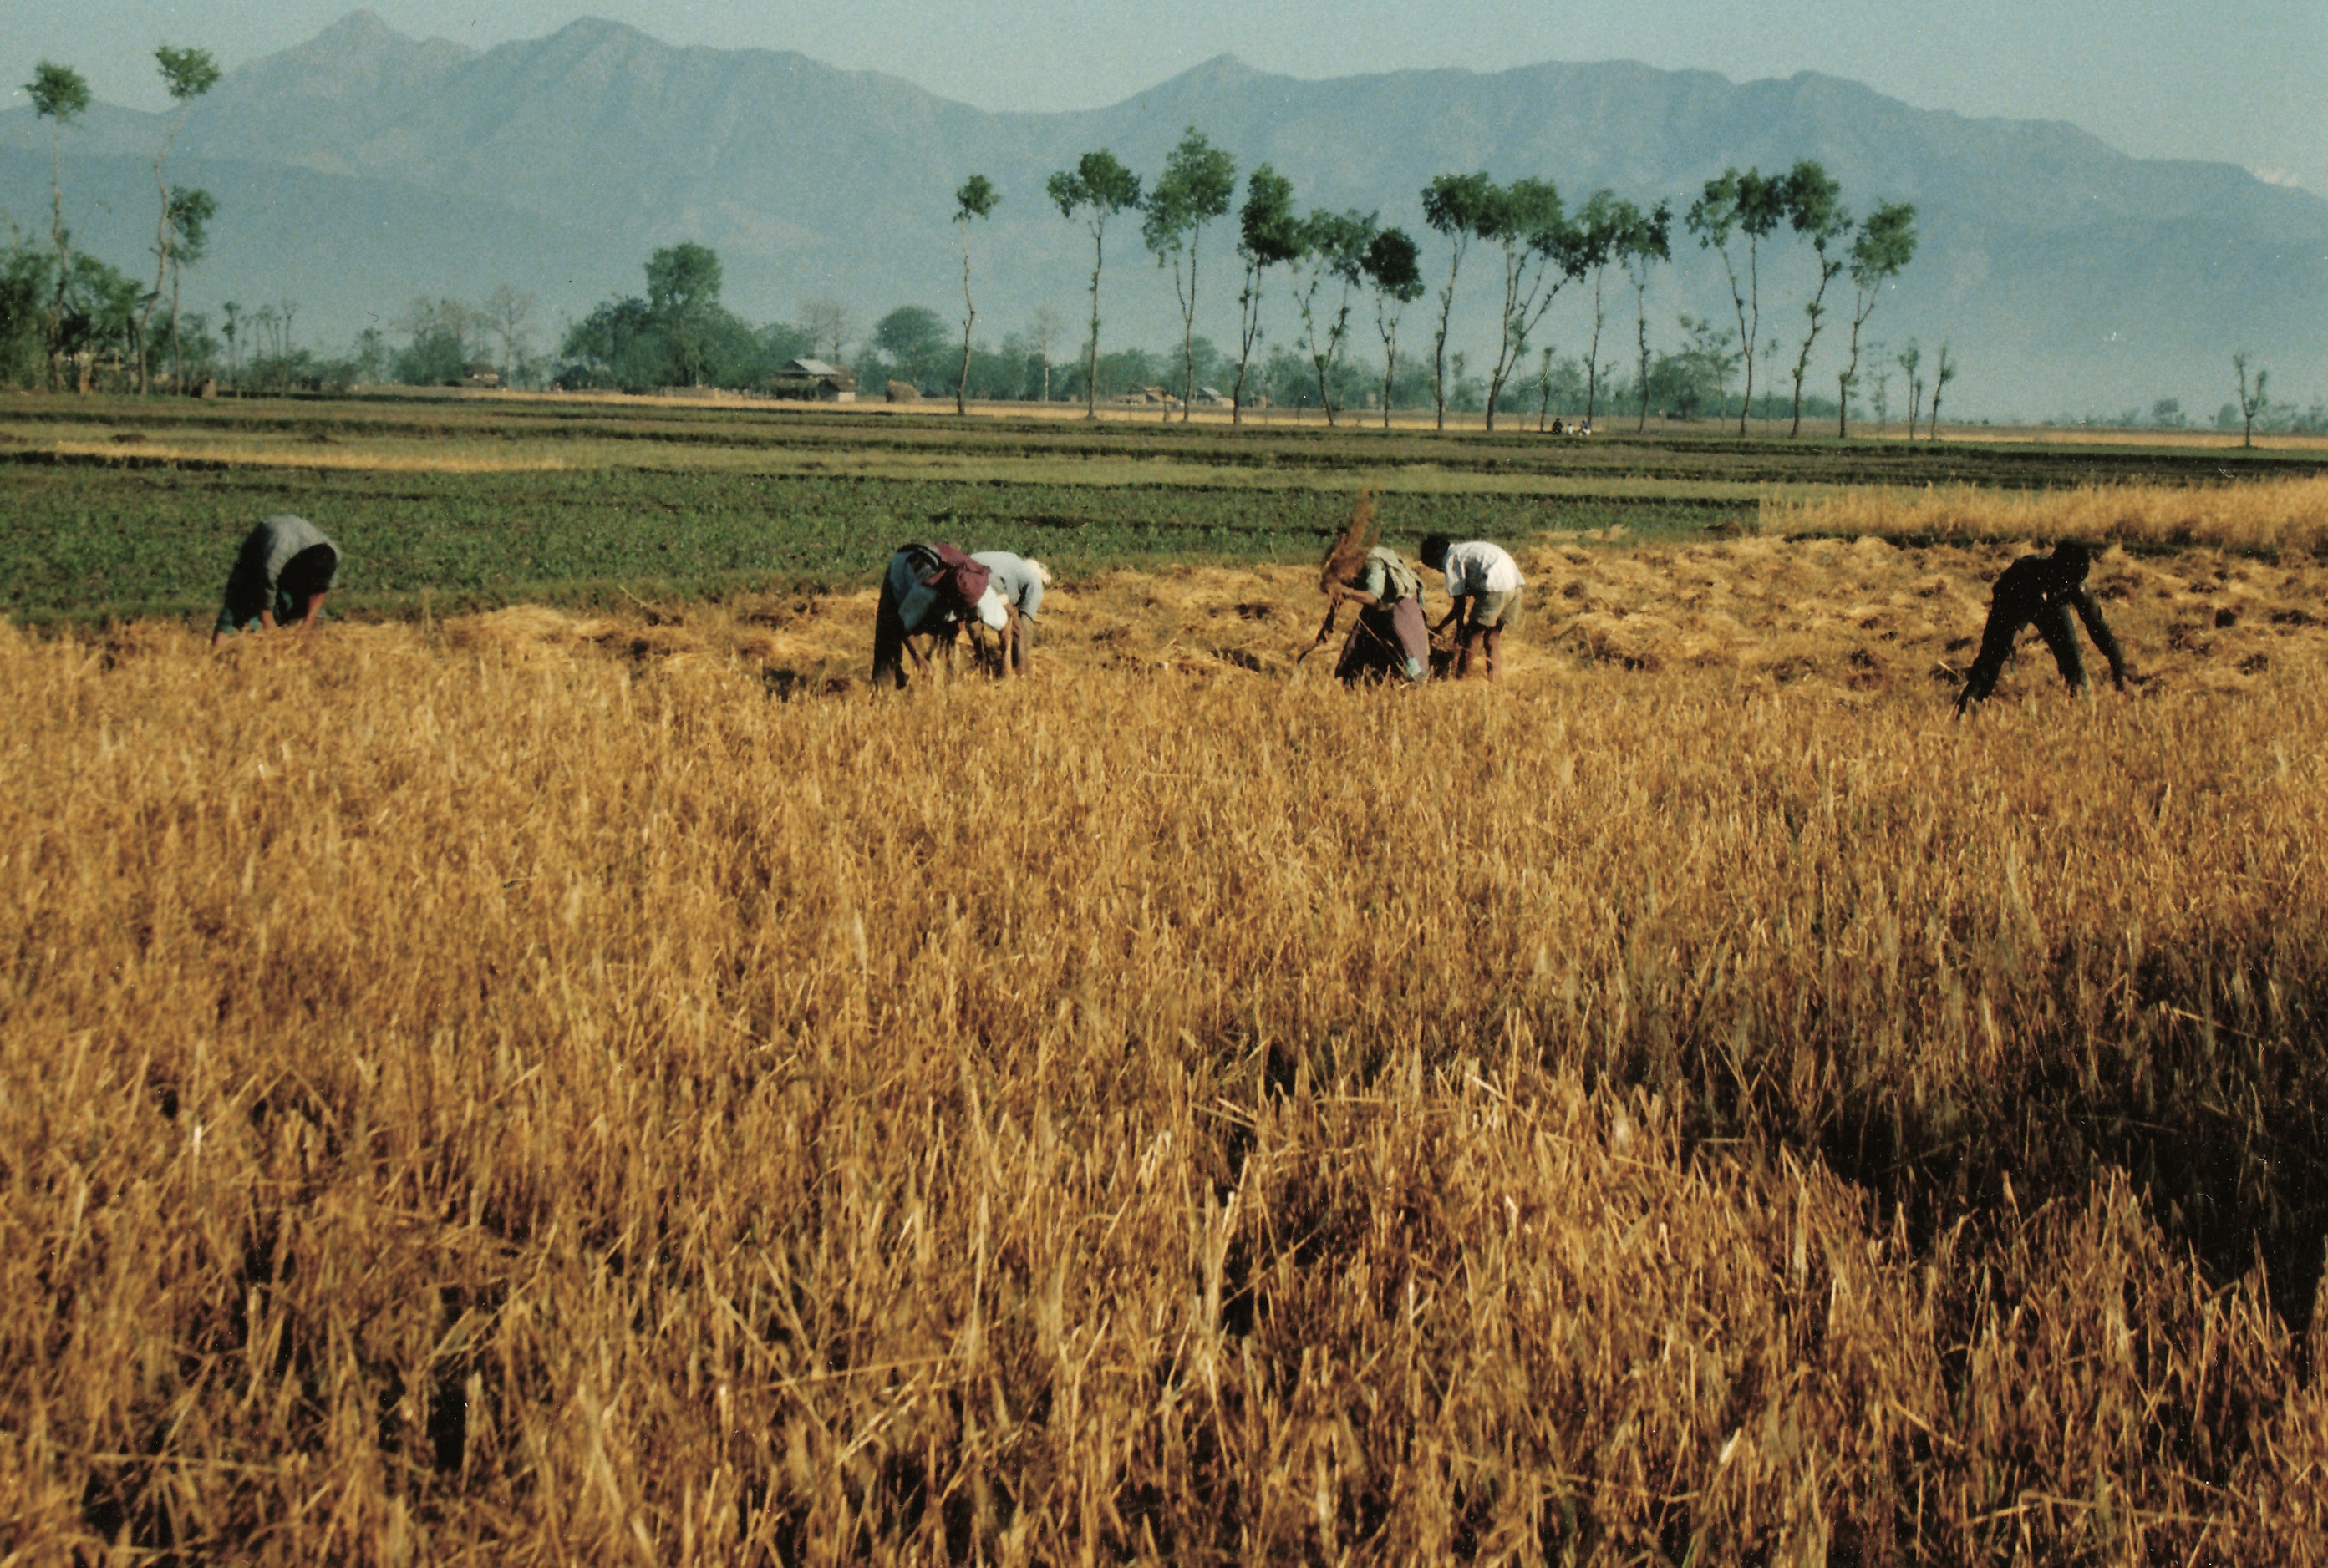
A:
[2042,589]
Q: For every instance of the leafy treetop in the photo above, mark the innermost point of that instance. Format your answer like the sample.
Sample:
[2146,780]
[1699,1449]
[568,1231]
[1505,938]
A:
[187,73]
[57,92]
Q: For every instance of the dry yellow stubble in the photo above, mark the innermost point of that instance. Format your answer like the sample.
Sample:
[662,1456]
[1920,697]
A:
[523,1089]
[2284,513]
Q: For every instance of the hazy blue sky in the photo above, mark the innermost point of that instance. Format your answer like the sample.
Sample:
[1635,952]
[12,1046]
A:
[2242,80]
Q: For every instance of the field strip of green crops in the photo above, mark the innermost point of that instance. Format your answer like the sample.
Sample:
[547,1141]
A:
[113,542]
[120,507]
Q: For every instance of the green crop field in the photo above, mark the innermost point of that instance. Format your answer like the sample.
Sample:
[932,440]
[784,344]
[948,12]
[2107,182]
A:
[120,508]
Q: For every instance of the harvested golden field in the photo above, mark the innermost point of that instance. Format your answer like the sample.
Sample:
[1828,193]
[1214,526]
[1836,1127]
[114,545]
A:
[538,1088]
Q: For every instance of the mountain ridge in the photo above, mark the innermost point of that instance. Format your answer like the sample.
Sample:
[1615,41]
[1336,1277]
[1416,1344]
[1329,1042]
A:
[811,180]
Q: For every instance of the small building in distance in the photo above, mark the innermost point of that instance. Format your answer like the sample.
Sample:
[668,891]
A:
[479,375]
[814,381]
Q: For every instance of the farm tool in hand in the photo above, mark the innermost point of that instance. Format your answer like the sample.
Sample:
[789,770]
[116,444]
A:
[1333,609]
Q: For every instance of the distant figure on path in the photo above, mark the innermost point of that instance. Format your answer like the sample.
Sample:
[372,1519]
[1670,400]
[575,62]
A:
[1019,583]
[929,591]
[282,573]
[1485,584]
[2044,589]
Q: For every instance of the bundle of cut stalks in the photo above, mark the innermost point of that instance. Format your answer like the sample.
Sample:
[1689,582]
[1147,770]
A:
[1358,535]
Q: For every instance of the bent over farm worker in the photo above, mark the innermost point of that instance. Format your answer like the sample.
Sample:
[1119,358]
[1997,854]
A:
[1019,583]
[1485,584]
[1389,637]
[2044,590]
[283,571]
[929,591]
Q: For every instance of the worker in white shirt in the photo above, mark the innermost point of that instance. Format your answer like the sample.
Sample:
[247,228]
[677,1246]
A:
[1484,582]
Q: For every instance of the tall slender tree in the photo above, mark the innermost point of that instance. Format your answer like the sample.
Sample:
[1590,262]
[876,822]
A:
[1393,270]
[1268,235]
[1196,187]
[1457,206]
[1943,371]
[1043,330]
[190,211]
[2254,398]
[1540,255]
[1597,226]
[507,313]
[829,325]
[974,200]
[1098,188]
[1910,361]
[186,75]
[1753,205]
[1334,260]
[59,97]
[1815,210]
[1643,245]
[1880,252]
[1710,355]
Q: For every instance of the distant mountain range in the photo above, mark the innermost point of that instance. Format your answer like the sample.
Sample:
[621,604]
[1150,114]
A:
[364,167]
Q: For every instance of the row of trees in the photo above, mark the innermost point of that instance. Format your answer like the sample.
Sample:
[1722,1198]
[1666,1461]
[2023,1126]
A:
[678,333]
[1335,260]
[82,308]
[61,308]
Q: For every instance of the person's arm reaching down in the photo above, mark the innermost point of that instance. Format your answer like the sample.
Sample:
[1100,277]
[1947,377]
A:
[2099,630]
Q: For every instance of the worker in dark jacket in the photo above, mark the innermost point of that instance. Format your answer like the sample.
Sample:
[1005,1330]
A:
[2044,589]
[282,573]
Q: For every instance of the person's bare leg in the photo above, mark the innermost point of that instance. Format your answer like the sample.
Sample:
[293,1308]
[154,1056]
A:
[1495,647]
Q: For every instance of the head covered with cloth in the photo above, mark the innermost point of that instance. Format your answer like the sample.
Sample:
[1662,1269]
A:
[930,590]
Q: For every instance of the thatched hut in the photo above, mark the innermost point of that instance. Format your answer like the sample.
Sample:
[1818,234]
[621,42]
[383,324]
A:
[814,381]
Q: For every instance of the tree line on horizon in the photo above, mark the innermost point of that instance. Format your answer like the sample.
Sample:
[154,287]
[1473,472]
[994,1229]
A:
[1335,267]
[67,315]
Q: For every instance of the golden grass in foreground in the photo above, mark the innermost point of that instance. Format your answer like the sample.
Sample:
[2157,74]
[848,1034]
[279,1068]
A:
[468,1095]
[2278,514]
